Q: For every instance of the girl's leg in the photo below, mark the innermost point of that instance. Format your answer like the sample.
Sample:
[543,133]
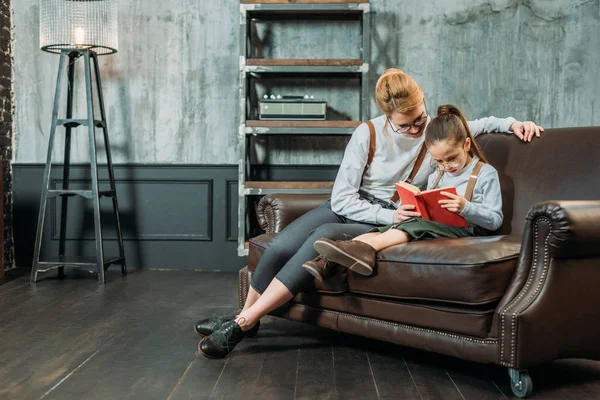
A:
[384,240]
[367,237]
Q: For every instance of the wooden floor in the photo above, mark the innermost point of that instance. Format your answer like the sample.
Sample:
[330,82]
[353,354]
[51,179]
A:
[133,339]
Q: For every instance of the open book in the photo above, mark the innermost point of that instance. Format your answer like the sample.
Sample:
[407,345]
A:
[426,203]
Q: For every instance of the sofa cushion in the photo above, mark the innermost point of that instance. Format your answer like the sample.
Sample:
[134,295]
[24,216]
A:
[472,271]
[459,319]
[338,283]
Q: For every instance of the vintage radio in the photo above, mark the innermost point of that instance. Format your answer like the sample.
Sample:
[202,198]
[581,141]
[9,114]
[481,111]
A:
[291,108]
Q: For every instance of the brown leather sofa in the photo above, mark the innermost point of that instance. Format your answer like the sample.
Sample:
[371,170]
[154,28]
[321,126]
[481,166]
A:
[529,295]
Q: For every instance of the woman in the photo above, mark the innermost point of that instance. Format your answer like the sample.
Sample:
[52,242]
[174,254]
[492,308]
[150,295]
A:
[360,201]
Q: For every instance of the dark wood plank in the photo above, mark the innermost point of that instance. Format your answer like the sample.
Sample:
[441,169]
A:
[280,62]
[473,381]
[66,348]
[432,381]
[391,374]
[353,375]
[148,361]
[46,347]
[315,376]
[133,338]
[565,379]
[31,302]
[240,374]
[277,378]
[199,379]
[7,287]
[302,124]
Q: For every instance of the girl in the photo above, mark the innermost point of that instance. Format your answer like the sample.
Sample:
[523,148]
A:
[460,161]
[361,200]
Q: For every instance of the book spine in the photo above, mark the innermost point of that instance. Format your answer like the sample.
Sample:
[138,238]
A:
[422,208]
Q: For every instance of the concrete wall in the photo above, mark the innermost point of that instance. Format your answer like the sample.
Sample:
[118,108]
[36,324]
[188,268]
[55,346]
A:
[171,91]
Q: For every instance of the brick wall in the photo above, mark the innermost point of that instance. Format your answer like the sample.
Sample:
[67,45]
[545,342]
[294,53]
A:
[6,121]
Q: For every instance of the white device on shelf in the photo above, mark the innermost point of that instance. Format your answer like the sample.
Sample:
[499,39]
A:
[278,107]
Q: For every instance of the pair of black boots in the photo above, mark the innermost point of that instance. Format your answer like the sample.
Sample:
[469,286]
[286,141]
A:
[220,335]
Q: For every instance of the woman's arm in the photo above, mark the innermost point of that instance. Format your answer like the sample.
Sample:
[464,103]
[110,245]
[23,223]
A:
[490,124]
[344,198]
[523,130]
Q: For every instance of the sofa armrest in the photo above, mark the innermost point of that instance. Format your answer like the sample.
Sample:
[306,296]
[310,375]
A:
[276,211]
[550,309]
[575,227]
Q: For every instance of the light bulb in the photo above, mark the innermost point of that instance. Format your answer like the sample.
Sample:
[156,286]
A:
[79,36]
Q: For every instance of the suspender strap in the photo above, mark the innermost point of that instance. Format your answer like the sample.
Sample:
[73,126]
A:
[372,144]
[417,165]
[473,180]
[438,179]
[414,171]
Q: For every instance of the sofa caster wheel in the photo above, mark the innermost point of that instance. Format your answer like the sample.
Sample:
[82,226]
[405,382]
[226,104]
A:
[520,383]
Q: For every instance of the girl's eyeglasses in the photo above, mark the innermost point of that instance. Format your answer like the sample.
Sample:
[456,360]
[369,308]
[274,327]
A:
[450,164]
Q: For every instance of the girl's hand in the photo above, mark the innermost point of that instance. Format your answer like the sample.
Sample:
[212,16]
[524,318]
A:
[455,204]
[526,130]
[403,212]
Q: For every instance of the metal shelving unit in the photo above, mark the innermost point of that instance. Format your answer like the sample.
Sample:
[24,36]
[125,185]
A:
[264,68]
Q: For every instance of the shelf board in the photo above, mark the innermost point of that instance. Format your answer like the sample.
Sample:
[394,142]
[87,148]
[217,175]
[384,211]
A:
[315,128]
[323,62]
[288,184]
[268,187]
[306,66]
[302,124]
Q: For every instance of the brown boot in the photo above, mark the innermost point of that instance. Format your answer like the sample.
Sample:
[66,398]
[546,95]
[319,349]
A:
[318,267]
[354,255]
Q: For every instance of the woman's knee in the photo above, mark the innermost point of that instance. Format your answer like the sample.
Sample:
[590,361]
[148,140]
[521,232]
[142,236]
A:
[280,247]
[330,231]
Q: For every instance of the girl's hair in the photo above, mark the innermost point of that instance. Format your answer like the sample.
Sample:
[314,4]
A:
[397,92]
[450,124]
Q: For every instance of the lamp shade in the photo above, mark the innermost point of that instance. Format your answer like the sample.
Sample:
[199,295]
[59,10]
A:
[78,24]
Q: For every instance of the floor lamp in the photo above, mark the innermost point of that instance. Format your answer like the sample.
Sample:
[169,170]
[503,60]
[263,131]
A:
[78,30]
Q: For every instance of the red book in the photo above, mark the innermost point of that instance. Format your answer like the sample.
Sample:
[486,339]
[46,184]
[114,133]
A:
[427,203]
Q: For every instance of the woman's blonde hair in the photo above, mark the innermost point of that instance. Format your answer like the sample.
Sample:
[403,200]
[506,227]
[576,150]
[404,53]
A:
[397,92]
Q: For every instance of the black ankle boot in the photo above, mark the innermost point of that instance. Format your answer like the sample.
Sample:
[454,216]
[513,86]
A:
[205,327]
[222,341]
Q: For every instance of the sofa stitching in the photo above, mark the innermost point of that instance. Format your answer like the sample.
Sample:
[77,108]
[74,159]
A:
[522,294]
[272,212]
[241,284]
[467,265]
[408,327]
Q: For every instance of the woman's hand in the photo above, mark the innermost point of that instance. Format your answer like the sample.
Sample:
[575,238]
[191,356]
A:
[403,212]
[526,130]
[455,204]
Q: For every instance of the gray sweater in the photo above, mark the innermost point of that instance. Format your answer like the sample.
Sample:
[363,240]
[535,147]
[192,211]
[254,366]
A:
[485,207]
[395,155]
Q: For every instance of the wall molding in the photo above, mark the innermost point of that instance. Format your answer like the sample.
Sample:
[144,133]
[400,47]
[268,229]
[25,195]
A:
[174,216]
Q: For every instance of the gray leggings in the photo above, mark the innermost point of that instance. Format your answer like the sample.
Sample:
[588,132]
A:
[293,246]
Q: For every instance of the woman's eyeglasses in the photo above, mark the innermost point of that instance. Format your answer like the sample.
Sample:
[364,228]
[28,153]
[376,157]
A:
[417,123]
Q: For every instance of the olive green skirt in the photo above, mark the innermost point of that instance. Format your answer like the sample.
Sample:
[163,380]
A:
[422,229]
